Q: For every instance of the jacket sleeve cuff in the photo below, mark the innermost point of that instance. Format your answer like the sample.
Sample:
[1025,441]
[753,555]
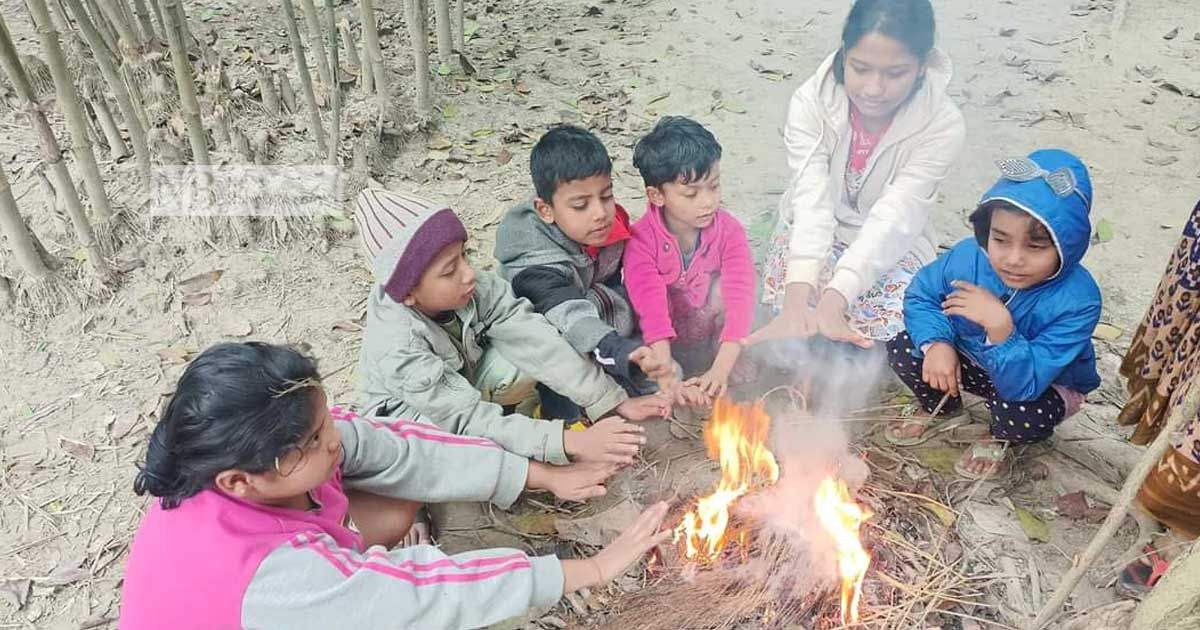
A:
[514,472]
[803,270]
[553,449]
[547,581]
[609,401]
[847,283]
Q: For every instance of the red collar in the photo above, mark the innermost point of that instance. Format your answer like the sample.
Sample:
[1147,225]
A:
[620,232]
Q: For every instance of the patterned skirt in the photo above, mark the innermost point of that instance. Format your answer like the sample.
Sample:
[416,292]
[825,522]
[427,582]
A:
[878,314]
[1162,363]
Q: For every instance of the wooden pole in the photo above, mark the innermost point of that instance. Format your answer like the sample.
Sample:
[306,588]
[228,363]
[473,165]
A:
[51,153]
[20,240]
[445,43]
[1185,412]
[68,102]
[316,41]
[133,121]
[335,133]
[306,85]
[419,34]
[188,103]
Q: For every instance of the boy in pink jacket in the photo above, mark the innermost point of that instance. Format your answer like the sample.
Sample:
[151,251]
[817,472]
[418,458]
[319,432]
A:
[688,267]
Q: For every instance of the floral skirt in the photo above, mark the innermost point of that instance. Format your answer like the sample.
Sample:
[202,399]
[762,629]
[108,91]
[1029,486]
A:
[877,314]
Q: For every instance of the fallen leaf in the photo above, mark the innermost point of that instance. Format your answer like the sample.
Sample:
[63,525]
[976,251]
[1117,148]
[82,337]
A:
[340,223]
[1008,32]
[1107,332]
[1096,514]
[521,88]
[1160,160]
[732,107]
[197,299]
[1104,231]
[449,111]
[439,144]
[658,98]
[445,69]
[601,529]
[944,514]
[1073,506]
[125,266]
[348,326]
[237,326]
[504,156]
[483,133]
[1034,527]
[63,576]
[940,458]
[1177,88]
[1171,34]
[78,450]
[200,281]
[122,425]
[470,29]
[1163,146]
[535,523]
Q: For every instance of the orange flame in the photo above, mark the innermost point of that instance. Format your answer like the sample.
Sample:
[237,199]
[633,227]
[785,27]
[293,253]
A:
[841,516]
[736,437]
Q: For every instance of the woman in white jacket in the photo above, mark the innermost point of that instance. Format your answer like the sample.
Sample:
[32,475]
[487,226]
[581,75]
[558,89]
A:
[870,137]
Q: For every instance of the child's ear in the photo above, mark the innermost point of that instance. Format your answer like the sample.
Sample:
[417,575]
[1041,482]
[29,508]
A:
[410,301]
[233,481]
[655,195]
[544,211]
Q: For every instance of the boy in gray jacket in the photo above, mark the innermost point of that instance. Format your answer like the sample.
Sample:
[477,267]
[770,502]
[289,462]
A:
[453,346]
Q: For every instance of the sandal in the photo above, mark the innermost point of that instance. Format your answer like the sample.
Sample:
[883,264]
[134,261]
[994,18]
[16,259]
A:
[933,426]
[1139,577]
[992,452]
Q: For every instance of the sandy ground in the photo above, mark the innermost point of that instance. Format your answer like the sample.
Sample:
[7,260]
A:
[81,388]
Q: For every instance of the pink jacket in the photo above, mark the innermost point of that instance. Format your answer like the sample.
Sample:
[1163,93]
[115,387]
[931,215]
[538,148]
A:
[653,264]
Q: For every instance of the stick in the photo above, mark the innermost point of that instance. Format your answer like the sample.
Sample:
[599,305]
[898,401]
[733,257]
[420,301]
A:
[441,10]
[335,132]
[68,102]
[1182,414]
[266,87]
[306,84]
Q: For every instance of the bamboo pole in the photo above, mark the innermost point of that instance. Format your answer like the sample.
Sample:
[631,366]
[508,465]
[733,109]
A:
[419,34]
[188,104]
[287,94]
[351,46]
[17,234]
[112,133]
[156,8]
[266,87]
[306,85]
[373,54]
[445,45]
[102,23]
[147,24]
[460,20]
[133,121]
[51,153]
[127,36]
[1185,412]
[316,41]
[68,102]
[335,134]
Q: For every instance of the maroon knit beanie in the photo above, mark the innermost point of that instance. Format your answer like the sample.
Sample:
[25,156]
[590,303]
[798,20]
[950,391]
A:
[402,233]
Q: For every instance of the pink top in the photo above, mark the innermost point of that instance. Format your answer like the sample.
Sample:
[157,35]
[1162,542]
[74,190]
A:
[653,262]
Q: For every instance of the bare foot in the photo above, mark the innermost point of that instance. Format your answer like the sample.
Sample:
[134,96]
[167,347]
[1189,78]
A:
[418,534]
[984,459]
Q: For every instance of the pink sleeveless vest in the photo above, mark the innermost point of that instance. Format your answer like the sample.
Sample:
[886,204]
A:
[189,566]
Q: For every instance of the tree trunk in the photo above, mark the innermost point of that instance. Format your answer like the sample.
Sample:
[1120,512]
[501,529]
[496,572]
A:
[51,153]
[133,121]
[68,102]
[419,34]
[306,85]
[185,28]
[373,54]
[188,104]
[351,46]
[286,92]
[316,41]
[147,24]
[266,88]
[112,133]
[460,20]
[335,135]
[20,240]
[106,28]
[445,44]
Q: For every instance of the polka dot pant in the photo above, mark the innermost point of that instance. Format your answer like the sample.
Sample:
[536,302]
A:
[1016,421]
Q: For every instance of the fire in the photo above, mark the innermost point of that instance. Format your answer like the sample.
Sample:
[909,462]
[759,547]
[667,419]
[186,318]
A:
[842,517]
[736,437]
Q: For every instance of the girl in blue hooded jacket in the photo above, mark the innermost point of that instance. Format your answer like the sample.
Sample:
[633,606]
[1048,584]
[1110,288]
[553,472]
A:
[1007,315]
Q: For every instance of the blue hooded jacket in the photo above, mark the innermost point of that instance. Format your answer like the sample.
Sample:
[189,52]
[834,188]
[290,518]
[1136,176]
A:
[1053,321]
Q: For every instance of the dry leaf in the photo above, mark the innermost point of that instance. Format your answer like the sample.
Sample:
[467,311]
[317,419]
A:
[346,325]
[1171,34]
[944,514]
[175,355]
[941,459]
[601,529]
[78,450]
[504,156]
[534,523]
[200,282]
[197,299]
[1034,527]
[1107,332]
[122,425]
[1073,506]
[439,144]
[63,576]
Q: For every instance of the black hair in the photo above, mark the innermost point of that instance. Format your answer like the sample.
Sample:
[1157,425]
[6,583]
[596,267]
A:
[981,219]
[564,154]
[237,405]
[907,21]
[676,147]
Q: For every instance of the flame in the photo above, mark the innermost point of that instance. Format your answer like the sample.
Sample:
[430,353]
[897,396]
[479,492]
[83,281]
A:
[841,516]
[736,437]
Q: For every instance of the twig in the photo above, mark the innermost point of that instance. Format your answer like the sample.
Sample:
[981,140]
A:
[1185,412]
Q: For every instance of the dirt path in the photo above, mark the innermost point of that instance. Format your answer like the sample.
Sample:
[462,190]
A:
[81,390]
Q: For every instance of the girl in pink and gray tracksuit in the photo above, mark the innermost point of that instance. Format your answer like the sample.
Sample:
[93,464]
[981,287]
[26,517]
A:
[274,510]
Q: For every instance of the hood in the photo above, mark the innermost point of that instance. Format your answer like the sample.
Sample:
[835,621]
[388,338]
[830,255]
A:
[522,238]
[1054,186]
[913,115]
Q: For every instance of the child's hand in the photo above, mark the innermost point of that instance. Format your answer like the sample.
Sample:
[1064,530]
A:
[942,369]
[712,383]
[611,440]
[797,319]
[633,543]
[644,407]
[690,395]
[574,482]
[654,366]
[832,322]
[978,305]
